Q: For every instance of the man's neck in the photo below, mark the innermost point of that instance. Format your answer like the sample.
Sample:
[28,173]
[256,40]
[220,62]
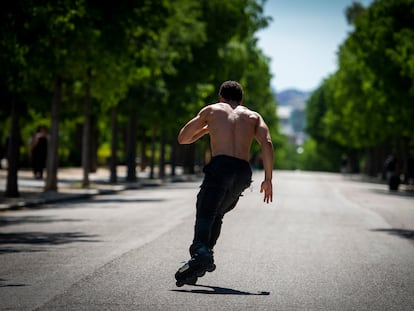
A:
[232,103]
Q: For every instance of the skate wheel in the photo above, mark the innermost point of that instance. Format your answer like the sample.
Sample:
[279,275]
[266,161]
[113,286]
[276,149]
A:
[211,268]
[179,283]
[192,280]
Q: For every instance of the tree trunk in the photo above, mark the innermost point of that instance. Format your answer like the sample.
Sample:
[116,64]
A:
[378,163]
[52,150]
[161,171]
[12,188]
[113,161]
[152,153]
[353,165]
[173,157]
[86,137]
[94,145]
[370,161]
[189,158]
[144,159]
[131,152]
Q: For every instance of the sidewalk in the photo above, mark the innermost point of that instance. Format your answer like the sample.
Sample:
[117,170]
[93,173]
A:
[69,186]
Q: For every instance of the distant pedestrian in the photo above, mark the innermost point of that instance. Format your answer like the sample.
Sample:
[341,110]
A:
[5,153]
[344,165]
[38,151]
[409,172]
[392,169]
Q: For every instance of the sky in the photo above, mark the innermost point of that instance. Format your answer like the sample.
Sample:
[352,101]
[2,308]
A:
[303,39]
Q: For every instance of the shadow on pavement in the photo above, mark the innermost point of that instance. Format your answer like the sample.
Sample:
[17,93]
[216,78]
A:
[13,250]
[215,290]
[13,220]
[118,200]
[401,193]
[38,239]
[402,233]
[9,285]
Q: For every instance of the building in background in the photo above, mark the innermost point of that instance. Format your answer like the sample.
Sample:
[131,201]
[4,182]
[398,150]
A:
[291,114]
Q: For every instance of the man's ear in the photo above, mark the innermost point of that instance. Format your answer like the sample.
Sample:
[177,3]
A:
[221,99]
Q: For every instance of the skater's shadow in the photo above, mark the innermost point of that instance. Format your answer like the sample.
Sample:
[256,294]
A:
[215,290]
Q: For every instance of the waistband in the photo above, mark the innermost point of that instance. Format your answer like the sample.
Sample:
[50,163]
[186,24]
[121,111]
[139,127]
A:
[227,158]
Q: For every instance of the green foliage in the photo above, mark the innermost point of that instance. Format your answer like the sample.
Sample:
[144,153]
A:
[286,156]
[368,101]
[320,157]
[227,51]
[159,60]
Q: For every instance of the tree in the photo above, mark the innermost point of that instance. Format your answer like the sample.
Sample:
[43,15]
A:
[367,102]
[141,60]
[19,75]
[53,29]
[222,55]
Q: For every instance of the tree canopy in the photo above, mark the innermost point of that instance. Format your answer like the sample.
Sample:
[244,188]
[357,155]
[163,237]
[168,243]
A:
[367,102]
[151,64]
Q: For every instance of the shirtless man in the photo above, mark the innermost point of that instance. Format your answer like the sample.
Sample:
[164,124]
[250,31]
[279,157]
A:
[232,128]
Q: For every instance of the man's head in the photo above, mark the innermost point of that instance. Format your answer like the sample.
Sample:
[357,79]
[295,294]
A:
[231,91]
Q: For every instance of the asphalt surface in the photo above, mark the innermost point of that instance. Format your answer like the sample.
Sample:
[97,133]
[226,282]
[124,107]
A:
[325,243]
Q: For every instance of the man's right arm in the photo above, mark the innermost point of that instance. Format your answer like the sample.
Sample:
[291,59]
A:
[265,141]
[195,128]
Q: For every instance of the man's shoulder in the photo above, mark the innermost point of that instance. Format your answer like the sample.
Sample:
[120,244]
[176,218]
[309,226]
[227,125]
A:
[211,106]
[217,105]
[248,111]
[214,107]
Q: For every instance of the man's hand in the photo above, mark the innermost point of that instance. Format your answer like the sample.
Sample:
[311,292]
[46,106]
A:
[267,188]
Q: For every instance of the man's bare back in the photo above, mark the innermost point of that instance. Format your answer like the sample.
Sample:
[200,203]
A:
[231,129]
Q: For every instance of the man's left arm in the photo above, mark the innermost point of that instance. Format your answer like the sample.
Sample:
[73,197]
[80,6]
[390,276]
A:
[263,137]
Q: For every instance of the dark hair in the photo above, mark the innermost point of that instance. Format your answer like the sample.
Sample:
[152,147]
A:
[232,91]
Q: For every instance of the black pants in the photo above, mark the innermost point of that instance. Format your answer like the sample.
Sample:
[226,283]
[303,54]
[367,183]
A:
[224,181]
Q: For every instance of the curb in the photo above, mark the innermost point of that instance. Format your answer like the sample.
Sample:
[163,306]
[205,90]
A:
[64,197]
[58,197]
[89,193]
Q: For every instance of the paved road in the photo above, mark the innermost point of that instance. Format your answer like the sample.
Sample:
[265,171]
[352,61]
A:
[326,243]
